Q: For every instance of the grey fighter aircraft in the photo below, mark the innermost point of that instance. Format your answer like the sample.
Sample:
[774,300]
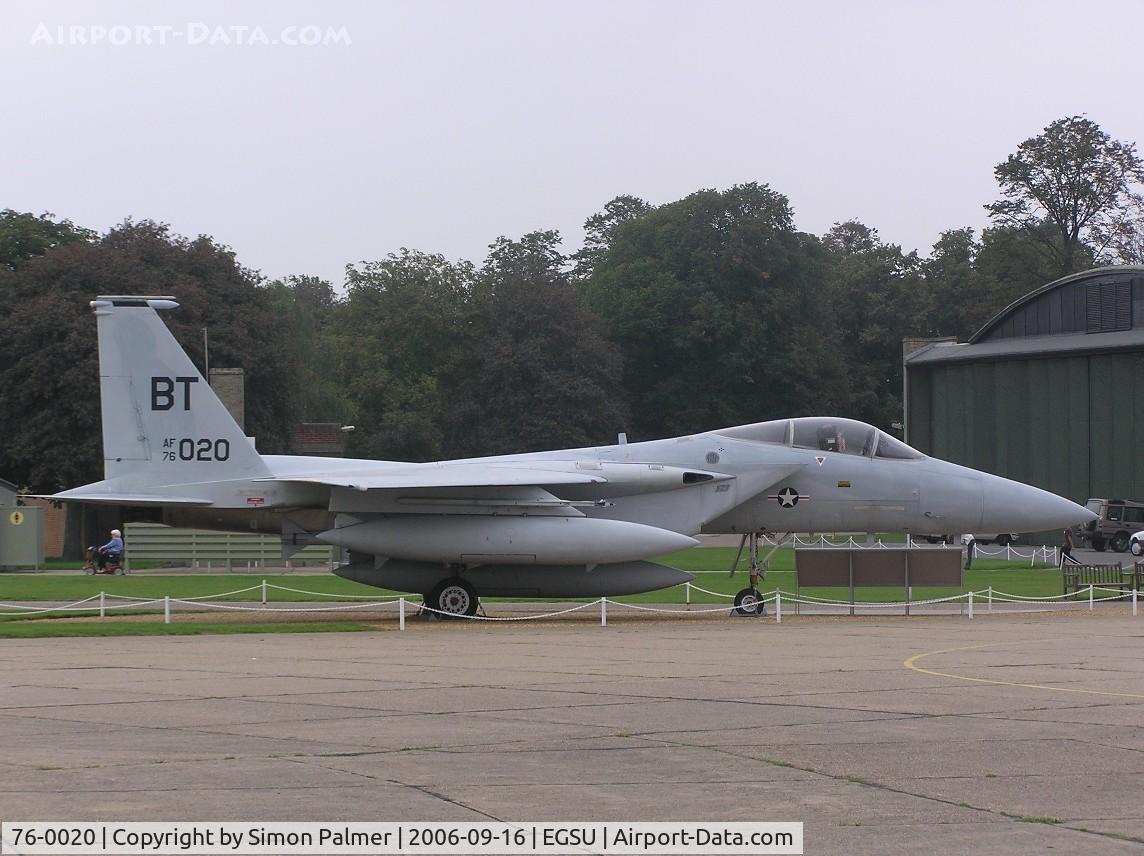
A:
[568,523]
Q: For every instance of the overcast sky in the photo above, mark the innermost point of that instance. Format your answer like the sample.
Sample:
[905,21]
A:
[440,126]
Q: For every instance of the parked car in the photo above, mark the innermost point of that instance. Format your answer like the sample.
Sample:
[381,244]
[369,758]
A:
[1116,520]
[1003,538]
[1136,543]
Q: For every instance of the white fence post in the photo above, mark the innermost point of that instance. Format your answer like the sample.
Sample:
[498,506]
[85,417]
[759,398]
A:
[264,592]
[687,595]
[1090,586]
[778,607]
[166,609]
[103,604]
[401,613]
[989,607]
[971,604]
[603,612]
[1133,603]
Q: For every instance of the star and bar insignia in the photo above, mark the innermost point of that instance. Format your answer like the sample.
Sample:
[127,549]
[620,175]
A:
[788,497]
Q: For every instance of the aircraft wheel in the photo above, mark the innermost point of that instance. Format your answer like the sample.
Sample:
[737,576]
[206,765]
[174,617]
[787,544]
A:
[749,602]
[1098,544]
[1004,540]
[1137,548]
[454,598]
[88,570]
[1119,542]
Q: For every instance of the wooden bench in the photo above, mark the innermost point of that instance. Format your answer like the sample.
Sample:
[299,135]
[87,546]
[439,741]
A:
[1078,578]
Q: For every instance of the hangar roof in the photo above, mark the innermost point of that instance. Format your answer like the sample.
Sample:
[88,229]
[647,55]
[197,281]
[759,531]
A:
[1098,310]
[1029,346]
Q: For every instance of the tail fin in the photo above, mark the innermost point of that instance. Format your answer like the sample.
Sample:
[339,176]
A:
[162,423]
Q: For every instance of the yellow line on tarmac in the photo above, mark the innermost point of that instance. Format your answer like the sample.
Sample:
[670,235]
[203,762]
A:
[911,664]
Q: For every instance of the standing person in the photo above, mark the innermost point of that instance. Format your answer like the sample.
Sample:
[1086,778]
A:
[1067,547]
[970,549]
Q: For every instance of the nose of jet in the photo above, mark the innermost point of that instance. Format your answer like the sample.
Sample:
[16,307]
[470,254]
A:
[1011,506]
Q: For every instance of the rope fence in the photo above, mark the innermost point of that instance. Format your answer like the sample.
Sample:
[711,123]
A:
[966,601]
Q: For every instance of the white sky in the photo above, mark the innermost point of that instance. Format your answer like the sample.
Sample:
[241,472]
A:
[444,125]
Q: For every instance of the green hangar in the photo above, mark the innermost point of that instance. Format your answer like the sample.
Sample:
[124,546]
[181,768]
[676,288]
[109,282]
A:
[1049,392]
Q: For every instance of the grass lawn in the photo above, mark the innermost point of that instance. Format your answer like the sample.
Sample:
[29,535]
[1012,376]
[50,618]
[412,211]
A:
[710,564]
[44,629]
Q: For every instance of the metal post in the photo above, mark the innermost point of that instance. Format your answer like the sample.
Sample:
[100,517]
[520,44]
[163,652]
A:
[778,607]
[971,604]
[167,609]
[1133,603]
[909,588]
[687,595]
[603,612]
[1090,597]
[103,604]
[401,613]
[851,561]
[264,592]
[990,607]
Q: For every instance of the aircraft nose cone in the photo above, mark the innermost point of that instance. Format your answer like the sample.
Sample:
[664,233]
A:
[1010,506]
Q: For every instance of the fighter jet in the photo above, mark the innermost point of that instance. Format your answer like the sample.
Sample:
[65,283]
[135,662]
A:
[567,523]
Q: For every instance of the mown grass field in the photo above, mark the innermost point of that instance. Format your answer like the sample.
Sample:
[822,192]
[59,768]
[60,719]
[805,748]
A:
[709,564]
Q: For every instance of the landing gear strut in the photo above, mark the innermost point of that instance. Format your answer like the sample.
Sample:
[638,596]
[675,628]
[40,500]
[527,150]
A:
[749,602]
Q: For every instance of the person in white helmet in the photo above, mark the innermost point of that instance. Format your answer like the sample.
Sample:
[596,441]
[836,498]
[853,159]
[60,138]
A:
[112,551]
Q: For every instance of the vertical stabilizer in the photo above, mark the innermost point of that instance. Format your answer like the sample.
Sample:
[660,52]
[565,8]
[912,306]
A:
[162,423]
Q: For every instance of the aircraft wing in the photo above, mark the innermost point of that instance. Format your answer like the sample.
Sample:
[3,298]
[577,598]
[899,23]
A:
[446,475]
[78,495]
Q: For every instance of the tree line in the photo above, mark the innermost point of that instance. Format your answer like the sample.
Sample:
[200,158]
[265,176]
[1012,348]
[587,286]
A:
[708,311]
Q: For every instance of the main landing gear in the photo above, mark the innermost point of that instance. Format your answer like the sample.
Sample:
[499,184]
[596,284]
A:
[452,598]
[749,601]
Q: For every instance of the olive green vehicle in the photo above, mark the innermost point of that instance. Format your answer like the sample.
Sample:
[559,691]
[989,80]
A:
[1116,520]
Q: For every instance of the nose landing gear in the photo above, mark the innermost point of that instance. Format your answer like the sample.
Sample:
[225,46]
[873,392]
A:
[749,601]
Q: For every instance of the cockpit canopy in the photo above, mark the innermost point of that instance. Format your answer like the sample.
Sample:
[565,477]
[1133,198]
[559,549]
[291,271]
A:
[826,434]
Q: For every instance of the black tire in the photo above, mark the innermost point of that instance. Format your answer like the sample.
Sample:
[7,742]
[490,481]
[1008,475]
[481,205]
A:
[453,598]
[1098,544]
[749,602]
[934,539]
[1119,542]
[1004,540]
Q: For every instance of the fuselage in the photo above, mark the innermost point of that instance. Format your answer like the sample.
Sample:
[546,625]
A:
[874,484]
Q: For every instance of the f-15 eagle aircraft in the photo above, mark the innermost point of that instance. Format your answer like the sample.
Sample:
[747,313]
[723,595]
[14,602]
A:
[568,523]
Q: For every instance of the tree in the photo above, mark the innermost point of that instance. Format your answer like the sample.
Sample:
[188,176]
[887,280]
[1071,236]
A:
[953,287]
[23,236]
[397,339]
[538,371]
[1081,181]
[306,306]
[49,380]
[599,229]
[717,305]
[879,299]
